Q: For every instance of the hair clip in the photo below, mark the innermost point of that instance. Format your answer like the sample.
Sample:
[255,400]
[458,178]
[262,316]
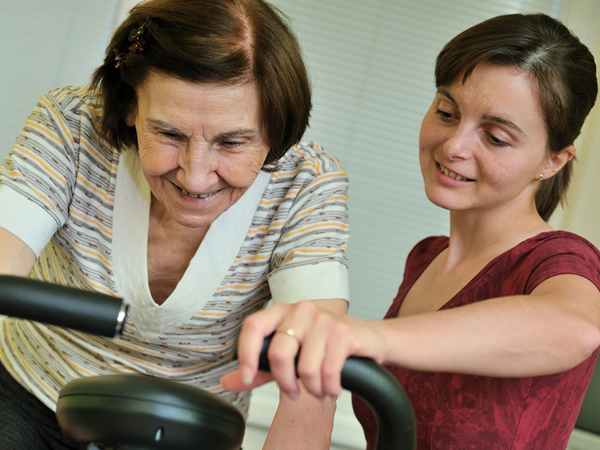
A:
[137,35]
[118,58]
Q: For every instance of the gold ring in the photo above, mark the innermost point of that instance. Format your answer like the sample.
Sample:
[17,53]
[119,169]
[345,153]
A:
[287,331]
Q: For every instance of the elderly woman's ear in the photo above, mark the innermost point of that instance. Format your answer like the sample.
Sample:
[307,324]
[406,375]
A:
[130,118]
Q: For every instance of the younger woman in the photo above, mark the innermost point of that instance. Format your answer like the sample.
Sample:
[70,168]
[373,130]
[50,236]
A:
[495,329]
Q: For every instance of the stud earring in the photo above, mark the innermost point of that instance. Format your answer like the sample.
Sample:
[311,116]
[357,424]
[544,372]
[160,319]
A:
[541,178]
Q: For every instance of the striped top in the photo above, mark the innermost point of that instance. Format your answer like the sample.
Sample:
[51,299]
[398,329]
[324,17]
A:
[84,209]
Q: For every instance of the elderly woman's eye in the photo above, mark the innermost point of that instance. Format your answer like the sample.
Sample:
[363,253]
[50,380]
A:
[231,144]
[170,135]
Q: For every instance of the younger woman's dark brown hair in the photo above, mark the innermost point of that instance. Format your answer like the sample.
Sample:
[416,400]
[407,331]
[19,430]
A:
[207,41]
[561,66]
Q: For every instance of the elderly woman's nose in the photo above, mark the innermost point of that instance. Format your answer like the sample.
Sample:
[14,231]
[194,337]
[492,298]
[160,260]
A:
[197,168]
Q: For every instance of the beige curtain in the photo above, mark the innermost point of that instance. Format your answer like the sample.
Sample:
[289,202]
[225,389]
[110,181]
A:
[581,215]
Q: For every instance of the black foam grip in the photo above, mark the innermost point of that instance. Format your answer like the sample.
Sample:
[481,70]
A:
[67,307]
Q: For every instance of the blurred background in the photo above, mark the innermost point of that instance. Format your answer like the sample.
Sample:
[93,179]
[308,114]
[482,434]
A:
[371,64]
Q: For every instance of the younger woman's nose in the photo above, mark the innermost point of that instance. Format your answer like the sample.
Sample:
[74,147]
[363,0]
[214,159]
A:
[458,143]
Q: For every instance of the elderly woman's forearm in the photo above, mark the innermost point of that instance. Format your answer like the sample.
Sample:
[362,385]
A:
[16,258]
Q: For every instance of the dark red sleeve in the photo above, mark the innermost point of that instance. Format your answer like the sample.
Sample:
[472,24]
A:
[569,254]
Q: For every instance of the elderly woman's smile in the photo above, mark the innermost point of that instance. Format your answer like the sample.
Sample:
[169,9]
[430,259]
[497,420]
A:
[197,195]
[200,145]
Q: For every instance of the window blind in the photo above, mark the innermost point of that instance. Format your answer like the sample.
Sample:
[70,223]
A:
[46,44]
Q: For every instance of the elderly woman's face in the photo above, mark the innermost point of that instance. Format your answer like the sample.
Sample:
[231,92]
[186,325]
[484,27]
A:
[200,145]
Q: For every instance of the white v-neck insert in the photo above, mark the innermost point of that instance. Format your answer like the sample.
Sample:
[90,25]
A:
[206,270]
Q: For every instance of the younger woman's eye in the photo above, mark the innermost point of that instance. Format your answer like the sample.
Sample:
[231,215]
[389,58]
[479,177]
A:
[496,141]
[445,115]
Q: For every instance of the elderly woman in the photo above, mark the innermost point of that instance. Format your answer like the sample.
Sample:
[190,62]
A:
[495,329]
[177,181]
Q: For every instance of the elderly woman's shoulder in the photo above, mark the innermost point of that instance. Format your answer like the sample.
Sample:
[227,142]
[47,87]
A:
[309,156]
[73,99]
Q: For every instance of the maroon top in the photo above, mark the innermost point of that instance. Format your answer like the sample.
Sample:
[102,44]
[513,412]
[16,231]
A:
[456,411]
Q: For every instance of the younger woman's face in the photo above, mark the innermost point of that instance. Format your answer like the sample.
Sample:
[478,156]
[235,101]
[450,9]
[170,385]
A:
[483,144]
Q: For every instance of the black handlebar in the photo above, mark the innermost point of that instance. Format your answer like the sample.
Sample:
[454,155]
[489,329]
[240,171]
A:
[66,307]
[382,392]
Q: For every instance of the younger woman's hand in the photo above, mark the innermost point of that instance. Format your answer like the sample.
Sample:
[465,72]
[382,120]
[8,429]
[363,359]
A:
[326,341]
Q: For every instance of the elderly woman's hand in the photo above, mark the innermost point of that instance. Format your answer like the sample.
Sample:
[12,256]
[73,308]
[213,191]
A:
[327,340]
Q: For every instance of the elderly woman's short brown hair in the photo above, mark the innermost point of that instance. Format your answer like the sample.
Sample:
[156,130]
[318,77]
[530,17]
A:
[208,41]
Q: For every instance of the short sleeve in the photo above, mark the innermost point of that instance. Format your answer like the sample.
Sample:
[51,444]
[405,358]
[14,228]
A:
[309,261]
[568,254]
[37,177]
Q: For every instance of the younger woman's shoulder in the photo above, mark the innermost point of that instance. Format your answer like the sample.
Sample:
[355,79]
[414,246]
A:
[431,244]
[424,252]
[554,253]
[559,242]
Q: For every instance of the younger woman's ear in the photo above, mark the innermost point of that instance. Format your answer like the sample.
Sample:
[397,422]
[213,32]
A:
[558,160]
